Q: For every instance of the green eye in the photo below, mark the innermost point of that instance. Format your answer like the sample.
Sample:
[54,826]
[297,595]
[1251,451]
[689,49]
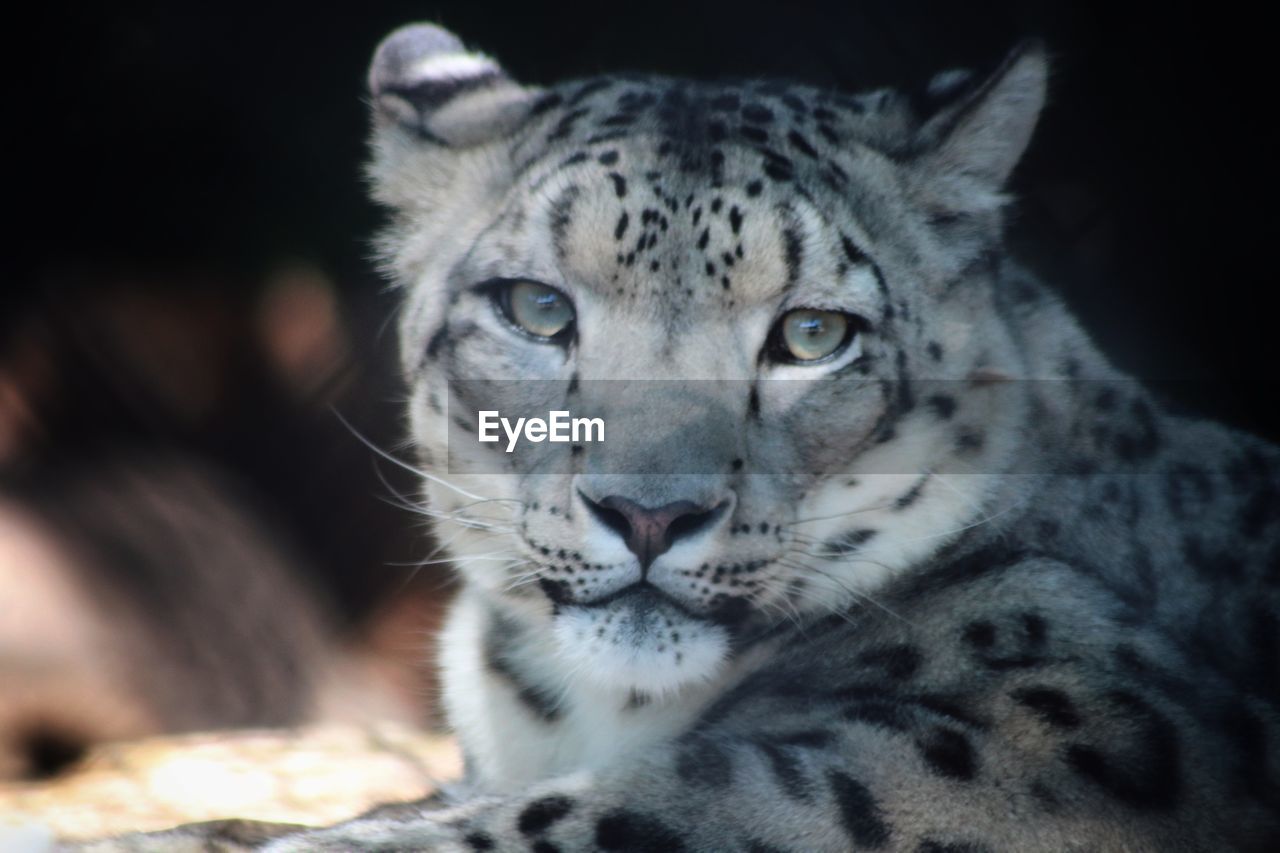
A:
[808,335]
[536,309]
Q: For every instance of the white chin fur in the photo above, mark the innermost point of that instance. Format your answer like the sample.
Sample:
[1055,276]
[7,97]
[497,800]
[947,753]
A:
[654,650]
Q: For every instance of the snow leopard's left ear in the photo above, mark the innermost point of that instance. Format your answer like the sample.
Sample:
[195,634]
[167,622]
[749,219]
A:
[971,145]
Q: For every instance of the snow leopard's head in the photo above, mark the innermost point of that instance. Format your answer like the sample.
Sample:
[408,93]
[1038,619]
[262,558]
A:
[805,280]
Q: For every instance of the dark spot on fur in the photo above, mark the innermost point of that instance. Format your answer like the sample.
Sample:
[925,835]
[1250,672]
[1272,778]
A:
[943,405]
[981,634]
[949,753]
[479,841]
[852,252]
[540,701]
[969,440]
[540,814]
[589,88]
[899,661]
[633,832]
[859,813]
[437,339]
[777,170]
[787,770]
[911,495]
[1037,630]
[801,144]
[545,103]
[1144,772]
[619,120]
[1144,439]
[794,254]
[1185,485]
[619,184]
[1050,705]
[565,126]
[931,846]
[847,543]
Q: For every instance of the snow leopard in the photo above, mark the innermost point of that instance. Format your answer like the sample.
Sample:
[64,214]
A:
[878,552]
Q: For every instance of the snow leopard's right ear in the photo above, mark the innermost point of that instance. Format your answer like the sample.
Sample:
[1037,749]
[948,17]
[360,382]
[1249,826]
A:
[424,82]
[971,145]
[438,109]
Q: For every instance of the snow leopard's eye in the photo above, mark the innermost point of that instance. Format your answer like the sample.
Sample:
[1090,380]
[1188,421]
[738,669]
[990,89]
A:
[540,311]
[807,335]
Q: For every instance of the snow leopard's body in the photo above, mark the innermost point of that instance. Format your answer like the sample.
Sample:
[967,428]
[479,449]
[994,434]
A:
[962,586]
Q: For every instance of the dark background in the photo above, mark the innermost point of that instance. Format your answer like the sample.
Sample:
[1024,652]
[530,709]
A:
[171,161]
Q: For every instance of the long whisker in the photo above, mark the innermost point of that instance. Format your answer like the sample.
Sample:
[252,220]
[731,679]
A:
[443,545]
[782,602]
[401,463]
[493,557]
[981,521]
[857,593]
[839,514]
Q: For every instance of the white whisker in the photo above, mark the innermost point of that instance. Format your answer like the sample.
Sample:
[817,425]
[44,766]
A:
[405,465]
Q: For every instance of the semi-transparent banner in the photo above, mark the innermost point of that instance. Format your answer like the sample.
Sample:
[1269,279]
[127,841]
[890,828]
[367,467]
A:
[790,427]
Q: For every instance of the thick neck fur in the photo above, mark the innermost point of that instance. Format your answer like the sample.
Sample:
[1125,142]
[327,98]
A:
[1131,494]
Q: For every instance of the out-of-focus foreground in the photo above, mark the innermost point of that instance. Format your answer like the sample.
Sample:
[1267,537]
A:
[312,776]
[191,535]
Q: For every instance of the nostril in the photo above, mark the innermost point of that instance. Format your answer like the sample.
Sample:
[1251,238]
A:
[609,517]
[692,523]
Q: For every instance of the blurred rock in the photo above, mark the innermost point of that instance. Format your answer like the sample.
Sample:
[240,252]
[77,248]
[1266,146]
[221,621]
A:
[317,775]
[140,595]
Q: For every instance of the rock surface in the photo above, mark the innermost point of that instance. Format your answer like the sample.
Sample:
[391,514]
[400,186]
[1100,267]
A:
[315,775]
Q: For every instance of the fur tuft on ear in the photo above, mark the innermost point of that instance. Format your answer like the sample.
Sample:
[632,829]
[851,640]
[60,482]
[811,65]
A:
[424,80]
[979,139]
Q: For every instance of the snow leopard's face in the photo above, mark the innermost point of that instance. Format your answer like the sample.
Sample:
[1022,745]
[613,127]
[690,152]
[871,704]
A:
[803,280]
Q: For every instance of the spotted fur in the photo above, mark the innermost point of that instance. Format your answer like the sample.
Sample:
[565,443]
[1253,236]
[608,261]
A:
[966,587]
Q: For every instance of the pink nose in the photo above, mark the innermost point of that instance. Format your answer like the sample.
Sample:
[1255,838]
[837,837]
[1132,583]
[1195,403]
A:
[647,531]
